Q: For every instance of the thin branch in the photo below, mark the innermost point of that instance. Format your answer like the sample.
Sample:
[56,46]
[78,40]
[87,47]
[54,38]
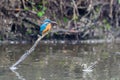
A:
[23,3]
[28,52]
[19,9]
[111,8]
[75,7]
[75,13]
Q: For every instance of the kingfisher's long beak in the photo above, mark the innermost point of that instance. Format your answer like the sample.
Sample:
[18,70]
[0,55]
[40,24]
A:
[53,22]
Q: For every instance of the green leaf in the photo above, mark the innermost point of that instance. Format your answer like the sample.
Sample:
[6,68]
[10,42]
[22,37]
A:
[75,17]
[40,14]
[26,9]
[108,26]
[29,31]
[97,9]
[119,1]
[34,8]
[105,21]
[40,6]
[44,8]
[65,19]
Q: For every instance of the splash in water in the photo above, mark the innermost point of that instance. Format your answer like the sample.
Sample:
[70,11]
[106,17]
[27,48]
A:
[89,68]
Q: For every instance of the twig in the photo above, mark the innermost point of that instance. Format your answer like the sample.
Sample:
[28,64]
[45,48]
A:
[75,13]
[111,8]
[117,18]
[13,67]
[75,7]
[18,9]
[69,23]
[23,2]
[30,22]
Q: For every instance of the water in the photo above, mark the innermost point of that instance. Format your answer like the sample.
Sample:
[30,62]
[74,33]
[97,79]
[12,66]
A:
[28,52]
[61,62]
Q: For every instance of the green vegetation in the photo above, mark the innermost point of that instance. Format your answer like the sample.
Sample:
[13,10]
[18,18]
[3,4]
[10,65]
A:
[79,16]
[106,24]
[29,31]
[65,19]
[119,1]
[42,12]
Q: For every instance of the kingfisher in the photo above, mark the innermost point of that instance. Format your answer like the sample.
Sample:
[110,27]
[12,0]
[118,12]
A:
[46,26]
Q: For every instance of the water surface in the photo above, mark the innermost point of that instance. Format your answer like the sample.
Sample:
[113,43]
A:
[61,62]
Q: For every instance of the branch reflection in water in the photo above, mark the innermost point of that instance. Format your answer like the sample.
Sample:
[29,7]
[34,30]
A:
[18,75]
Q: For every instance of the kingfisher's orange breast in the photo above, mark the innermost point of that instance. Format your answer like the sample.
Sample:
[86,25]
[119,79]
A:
[48,28]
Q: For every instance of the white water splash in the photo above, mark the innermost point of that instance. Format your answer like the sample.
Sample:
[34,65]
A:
[89,68]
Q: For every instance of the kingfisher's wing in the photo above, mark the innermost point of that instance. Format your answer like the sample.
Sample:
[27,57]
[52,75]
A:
[42,27]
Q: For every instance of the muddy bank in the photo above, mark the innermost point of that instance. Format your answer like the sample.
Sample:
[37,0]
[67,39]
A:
[71,42]
[76,20]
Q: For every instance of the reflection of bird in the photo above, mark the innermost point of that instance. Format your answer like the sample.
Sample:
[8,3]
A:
[46,26]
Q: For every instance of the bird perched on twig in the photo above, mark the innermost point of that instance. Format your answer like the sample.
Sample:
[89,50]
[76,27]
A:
[46,26]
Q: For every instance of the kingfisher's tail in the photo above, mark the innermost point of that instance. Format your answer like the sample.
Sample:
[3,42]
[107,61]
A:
[40,33]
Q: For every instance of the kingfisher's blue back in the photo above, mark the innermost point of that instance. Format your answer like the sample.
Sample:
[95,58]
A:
[45,26]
